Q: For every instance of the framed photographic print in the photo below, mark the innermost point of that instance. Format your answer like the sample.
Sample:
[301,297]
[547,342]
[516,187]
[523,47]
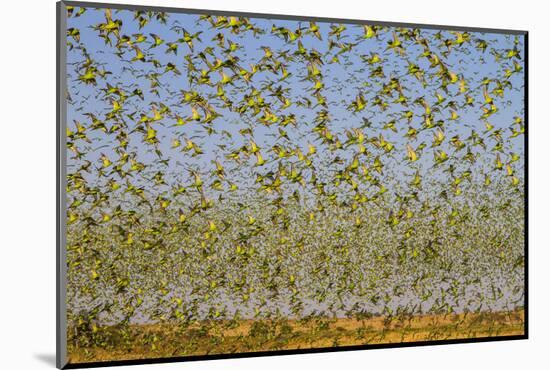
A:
[234,184]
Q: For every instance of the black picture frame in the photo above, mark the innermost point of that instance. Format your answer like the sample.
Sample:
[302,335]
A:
[61,322]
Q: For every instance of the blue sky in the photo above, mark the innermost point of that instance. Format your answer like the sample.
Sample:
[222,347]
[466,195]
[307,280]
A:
[343,81]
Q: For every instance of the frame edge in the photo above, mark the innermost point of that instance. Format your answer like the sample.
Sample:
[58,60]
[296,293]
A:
[61,124]
[291,17]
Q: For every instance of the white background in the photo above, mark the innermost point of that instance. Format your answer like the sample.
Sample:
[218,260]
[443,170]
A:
[27,183]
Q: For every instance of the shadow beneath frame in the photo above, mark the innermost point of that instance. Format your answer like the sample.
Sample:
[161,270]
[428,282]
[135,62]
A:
[46,358]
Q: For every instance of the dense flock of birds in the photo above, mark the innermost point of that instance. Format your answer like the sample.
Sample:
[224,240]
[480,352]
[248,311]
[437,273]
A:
[223,168]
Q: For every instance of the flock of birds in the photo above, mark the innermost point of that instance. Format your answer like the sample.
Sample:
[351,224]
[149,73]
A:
[225,168]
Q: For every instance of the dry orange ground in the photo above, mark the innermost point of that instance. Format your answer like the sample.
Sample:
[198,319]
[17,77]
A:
[158,341]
